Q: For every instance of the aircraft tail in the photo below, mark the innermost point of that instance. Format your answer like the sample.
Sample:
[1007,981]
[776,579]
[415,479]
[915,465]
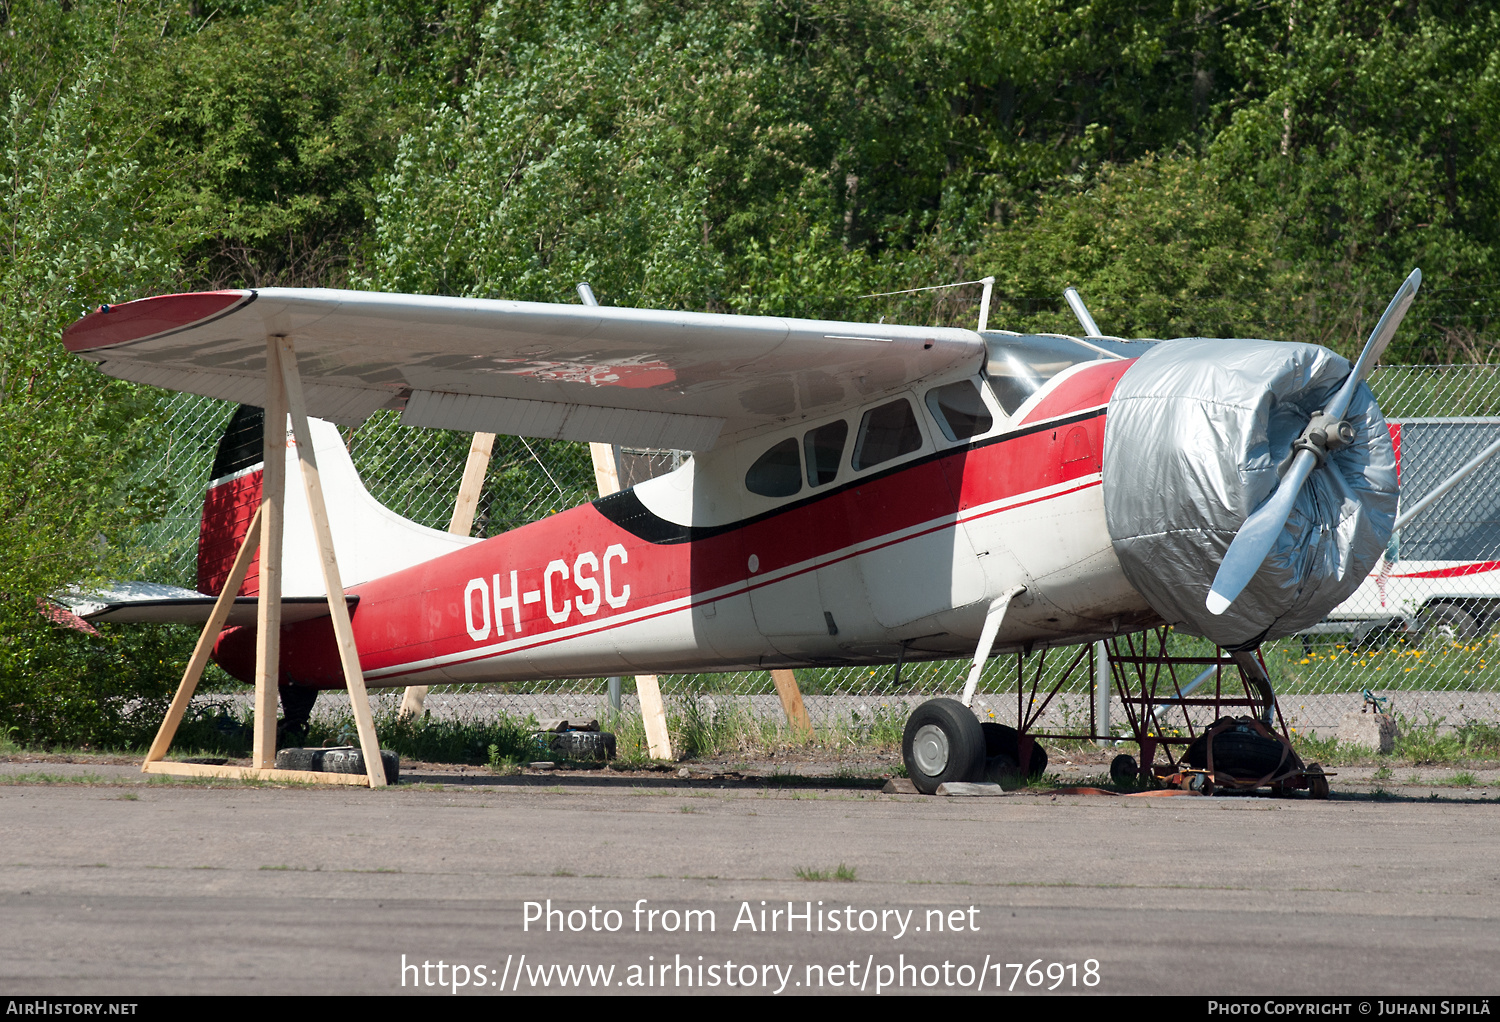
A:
[370,540]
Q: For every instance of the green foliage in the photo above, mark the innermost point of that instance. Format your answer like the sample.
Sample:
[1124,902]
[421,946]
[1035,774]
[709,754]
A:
[60,687]
[70,237]
[842,873]
[435,739]
[266,130]
[1154,246]
[1241,168]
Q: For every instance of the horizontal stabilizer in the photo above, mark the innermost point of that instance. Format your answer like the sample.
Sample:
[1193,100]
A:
[154,603]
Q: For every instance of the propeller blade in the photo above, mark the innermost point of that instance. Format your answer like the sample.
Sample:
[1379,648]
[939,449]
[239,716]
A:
[1258,535]
[1380,339]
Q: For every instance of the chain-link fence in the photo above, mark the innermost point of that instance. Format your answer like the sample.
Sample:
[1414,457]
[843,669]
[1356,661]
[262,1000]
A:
[1423,632]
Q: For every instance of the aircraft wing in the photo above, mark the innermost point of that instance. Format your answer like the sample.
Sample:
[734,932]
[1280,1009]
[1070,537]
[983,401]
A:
[156,603]
[637,377]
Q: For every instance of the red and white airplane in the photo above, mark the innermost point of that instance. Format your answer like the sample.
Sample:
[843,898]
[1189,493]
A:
[858,493]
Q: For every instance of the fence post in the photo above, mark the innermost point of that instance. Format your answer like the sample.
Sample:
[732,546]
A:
[1102,685]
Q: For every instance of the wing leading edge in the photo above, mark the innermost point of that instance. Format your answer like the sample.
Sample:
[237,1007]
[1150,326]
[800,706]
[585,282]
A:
[640,377]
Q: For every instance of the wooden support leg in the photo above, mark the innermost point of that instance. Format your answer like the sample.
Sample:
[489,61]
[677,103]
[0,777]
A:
[654,715]
[791,701]
[268,618]
[647,688]
[343,630]
[206,640]
[606,468]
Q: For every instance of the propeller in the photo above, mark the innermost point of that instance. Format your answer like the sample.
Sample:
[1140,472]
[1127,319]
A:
[1326,432]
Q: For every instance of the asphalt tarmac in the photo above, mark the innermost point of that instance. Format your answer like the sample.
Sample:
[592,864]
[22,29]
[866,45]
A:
[132,889]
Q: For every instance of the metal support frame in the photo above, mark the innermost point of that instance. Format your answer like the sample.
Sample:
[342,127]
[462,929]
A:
[1154,690]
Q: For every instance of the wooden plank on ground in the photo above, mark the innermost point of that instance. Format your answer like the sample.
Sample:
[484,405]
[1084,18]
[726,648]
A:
[176,769]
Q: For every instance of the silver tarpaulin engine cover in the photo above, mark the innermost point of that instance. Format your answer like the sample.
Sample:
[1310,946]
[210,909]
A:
[1196,433]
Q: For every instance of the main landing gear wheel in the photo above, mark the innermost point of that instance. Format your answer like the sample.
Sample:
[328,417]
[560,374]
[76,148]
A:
[942,742]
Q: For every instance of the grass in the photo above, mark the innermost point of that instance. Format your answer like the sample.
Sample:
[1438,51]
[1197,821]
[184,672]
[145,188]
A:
[41,777]
[702,726]
[1429,742]
[842,873]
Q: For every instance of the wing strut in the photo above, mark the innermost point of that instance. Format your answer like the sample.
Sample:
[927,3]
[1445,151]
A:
[991,631]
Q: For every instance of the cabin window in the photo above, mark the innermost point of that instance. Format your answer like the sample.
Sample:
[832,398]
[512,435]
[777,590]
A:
[823,447]
[778,472]
[959,410]
[886,432]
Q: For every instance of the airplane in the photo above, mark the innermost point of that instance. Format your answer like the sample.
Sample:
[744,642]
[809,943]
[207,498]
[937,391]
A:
[857,493]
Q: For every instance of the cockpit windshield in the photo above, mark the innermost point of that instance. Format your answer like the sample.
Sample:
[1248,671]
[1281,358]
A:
[1019,364]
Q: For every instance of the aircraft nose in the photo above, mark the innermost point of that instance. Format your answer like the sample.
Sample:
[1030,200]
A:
[1197,436]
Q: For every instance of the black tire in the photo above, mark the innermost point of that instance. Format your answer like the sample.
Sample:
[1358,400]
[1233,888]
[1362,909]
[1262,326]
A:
[942,742]
[1373,635]
[1239,751]
[1123,770]
[1445,624]
[337,761]
[1317,781]
[299,759]
[1002,743]
[583,745]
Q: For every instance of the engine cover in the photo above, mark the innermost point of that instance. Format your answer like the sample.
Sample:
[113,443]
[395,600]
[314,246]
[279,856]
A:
[1197,434]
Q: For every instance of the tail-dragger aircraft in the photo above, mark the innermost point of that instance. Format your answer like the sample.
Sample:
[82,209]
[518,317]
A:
[857,494]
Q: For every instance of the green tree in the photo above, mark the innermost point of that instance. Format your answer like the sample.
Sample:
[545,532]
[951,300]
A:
[1155,247]
[1369,131]
[72,235]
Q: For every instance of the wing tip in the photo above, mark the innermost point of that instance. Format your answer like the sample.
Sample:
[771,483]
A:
[109,325]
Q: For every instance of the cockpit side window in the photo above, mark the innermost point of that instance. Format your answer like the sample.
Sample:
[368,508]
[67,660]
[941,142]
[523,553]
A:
[959,410]
[1020,364]
[886,432]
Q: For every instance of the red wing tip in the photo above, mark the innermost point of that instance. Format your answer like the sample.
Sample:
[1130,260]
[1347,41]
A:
[109,325]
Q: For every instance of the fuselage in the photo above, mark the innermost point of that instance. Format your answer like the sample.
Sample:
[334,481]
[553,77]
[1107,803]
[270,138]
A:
[692,571]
